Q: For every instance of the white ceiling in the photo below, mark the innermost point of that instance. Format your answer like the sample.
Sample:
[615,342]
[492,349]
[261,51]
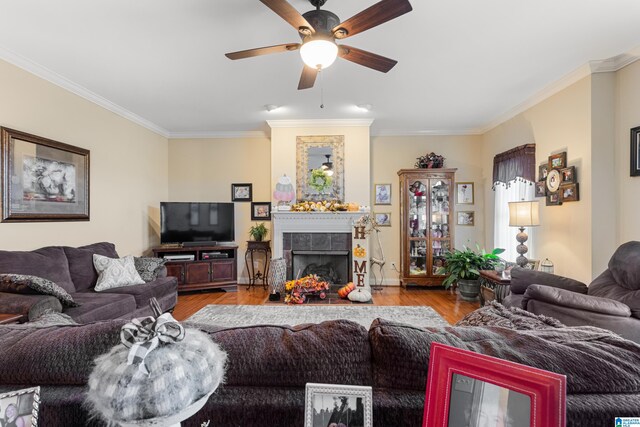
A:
[462,64]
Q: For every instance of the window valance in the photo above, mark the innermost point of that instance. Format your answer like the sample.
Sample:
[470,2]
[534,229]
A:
[516,164]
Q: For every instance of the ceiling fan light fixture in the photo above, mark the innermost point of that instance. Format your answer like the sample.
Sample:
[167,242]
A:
[271,107]
[319,53]
[364,107]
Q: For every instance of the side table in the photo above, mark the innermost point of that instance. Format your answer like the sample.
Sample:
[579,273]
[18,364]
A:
[493,286]
[10,318]
[253,247]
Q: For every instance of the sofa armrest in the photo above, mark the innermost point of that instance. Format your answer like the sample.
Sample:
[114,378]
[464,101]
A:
[29,305]
[521,278]
[161,272]
[569,299]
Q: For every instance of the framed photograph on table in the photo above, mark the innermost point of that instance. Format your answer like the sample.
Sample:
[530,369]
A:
[42,179]
[260,211]
[466,218]
[383,219]
[464,193]
[336,404]
[635,151]
[20,407]
[532,264]
[383,194]
[241,192]
[471,389]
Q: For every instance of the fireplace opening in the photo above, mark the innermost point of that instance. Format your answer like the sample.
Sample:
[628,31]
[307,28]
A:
[329,266]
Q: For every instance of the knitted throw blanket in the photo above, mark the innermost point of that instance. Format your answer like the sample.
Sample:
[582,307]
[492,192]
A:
[496,314]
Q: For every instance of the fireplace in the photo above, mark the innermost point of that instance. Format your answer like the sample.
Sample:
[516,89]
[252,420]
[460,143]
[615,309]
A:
[326,254]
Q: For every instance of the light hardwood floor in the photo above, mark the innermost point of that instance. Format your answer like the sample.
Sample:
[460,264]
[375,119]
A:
[445,302]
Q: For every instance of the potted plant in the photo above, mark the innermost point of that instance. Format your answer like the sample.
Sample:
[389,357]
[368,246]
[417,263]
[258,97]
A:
[463,268]
[258,232]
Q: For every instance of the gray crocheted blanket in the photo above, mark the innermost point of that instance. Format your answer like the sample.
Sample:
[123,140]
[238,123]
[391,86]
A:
[496,314]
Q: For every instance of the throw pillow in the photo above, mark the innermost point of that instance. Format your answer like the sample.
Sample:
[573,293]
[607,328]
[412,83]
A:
[25,284]
[115,272]
[148,267]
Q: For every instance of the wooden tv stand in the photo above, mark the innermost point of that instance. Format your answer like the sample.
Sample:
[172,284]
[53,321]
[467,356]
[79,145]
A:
[201,273]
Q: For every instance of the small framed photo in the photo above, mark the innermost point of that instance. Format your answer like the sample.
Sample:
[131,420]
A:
[261,211]
[42,179]
[466,218]
[464,193]
[568,175]
[541,188]
[558,161]
[20,407]
[635,151]
[569,193]
[465,388]
[338,405]
[553,199]
[241,192]
[383,219]
[383,194]
[542,171]
[532,264]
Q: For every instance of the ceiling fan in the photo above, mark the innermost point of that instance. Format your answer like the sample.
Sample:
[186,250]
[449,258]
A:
[319,30]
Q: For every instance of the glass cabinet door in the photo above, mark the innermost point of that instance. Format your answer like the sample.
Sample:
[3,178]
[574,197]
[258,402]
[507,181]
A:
[440,227]
[418,228]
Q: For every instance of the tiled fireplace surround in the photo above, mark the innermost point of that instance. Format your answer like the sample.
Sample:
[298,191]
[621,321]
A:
[321,248]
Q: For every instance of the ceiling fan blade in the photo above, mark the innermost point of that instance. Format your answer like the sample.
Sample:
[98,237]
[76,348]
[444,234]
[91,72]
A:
[308,78]
[379,13]
[368,59]
[249,53]
[289,14]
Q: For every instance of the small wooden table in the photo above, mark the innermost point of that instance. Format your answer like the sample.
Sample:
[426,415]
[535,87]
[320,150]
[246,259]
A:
[493,286]
[10,318]
[253,247]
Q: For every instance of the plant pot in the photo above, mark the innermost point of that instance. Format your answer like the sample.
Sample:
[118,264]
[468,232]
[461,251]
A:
[469,289]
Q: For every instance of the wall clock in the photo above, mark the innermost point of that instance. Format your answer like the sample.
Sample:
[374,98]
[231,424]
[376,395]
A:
[553,180]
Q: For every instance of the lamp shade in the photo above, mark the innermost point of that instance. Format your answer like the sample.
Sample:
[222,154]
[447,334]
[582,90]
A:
[524,214]
[319,53]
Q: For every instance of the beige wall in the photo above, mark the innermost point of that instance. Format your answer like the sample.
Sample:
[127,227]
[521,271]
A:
[390,154]
[128,166]
[562,122]
[356,156]
[628,187]
[202,170]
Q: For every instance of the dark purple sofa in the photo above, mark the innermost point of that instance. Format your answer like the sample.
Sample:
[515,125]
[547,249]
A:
[73,270]
[268,367]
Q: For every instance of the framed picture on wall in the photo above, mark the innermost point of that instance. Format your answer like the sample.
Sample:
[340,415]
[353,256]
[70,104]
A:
[466,218]
[558,161]
[260,211]
[635,151]
[542,171]
[241,192]
[569,193]
[383,219]
[541,188]
[42,179]
[383,194]
[464,193]
[568,175]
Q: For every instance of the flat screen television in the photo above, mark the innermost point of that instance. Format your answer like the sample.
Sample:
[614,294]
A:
[196,223]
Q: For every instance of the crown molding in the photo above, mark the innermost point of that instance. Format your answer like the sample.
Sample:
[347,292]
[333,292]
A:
[58,80]
[430,132]
[319,123]
[218,135]
[616,63]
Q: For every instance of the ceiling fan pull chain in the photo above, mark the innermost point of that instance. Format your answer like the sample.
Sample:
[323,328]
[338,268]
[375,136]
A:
[321,89]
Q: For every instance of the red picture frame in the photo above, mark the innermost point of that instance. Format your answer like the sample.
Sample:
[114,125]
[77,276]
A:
[546,390]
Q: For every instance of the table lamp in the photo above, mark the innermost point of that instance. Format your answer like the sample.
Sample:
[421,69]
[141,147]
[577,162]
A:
[523,214]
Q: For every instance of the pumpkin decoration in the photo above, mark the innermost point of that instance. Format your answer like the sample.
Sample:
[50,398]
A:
[360,252]
[344,291]
[361,295]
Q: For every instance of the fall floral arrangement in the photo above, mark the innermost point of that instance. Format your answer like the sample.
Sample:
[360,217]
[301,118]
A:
[429,161]
[323,206]
[297,289]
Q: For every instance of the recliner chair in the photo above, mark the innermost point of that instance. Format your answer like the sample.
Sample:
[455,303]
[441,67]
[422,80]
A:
[611,301]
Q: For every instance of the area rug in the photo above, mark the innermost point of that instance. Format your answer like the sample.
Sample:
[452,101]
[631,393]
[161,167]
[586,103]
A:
[247,315]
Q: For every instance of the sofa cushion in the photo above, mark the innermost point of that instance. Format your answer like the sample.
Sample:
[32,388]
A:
[81,267]
[60,355]
[608,363]
[115,272]
[50,263]
[625,265]
[333,352]
[144,293]
[148,267]
[101,306]
[25,284]
[521,278]
[604,286]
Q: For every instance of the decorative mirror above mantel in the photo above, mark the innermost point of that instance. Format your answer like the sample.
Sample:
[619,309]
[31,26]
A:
[320,160]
